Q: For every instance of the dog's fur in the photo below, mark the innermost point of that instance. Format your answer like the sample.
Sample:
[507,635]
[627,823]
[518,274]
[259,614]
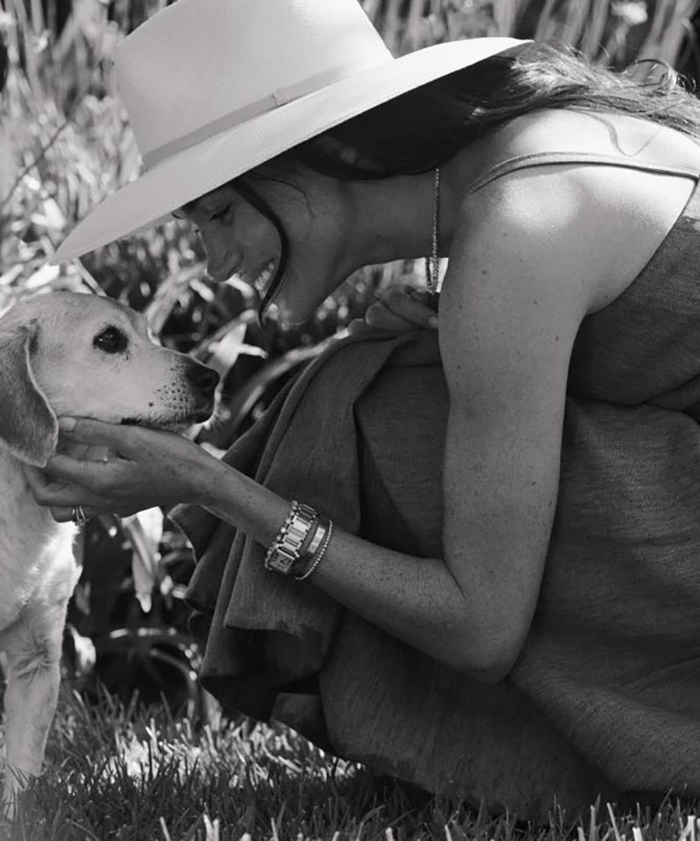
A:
[56,359]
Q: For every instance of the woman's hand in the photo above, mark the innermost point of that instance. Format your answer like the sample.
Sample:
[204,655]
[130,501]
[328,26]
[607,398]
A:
[146,468]
[402,308]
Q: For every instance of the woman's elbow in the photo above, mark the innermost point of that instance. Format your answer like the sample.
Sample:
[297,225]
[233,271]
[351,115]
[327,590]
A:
[493,671]
[490,662]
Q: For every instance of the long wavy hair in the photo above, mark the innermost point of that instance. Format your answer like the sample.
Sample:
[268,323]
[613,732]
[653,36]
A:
[426,127]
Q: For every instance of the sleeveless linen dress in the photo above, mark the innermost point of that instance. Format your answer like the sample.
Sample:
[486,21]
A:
[605,697]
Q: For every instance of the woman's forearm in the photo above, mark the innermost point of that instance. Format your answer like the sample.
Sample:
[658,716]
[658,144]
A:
[415,599]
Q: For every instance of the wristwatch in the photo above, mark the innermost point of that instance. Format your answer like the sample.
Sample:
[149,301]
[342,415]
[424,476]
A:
[286,550]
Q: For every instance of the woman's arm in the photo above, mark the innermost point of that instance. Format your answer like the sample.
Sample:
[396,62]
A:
[415,599]
[517,288]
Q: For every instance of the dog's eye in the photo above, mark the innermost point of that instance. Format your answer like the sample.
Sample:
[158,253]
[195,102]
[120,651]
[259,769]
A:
[111,340]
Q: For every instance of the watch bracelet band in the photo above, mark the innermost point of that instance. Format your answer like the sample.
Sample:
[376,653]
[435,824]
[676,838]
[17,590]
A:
[296,533]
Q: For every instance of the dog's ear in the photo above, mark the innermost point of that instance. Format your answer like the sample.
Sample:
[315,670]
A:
[28,425]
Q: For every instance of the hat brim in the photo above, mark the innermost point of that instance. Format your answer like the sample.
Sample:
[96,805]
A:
[212,162]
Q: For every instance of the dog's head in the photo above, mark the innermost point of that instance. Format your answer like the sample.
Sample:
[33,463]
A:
[64,353]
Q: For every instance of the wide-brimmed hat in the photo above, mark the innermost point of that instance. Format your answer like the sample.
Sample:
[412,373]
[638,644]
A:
[214,88]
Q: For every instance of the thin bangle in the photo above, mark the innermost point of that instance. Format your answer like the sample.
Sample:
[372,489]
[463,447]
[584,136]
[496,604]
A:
[308,559]
[316,539]
[319,556]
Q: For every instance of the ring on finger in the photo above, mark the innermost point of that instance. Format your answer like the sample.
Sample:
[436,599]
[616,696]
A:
[79,516]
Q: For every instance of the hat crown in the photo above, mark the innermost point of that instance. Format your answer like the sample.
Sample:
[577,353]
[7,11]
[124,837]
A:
[200,64]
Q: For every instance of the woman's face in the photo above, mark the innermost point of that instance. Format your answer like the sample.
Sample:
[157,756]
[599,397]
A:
[238,239]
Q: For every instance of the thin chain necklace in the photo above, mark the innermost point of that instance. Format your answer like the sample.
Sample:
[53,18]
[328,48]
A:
[432,263]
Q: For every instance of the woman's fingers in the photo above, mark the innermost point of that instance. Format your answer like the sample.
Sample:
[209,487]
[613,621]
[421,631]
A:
[62,513]
[39,483]
[54,493]
[150,468]
[357,325]
[401,308]
[67,513]
[96,433]
[65,469]
[381,318]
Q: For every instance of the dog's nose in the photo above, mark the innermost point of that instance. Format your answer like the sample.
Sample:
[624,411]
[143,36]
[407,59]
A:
[203,379]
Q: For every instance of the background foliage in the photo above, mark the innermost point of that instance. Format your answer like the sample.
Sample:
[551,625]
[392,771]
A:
[65,143]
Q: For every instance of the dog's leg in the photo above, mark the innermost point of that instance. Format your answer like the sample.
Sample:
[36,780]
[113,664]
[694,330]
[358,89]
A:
[32,655]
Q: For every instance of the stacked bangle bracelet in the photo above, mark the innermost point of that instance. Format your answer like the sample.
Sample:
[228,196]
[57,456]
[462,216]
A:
[325,531]
[300,544]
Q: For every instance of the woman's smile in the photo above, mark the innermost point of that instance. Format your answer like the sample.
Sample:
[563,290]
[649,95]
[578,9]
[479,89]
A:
[261,276]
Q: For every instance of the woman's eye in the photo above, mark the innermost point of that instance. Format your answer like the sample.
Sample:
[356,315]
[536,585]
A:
[111,340]
[220,214]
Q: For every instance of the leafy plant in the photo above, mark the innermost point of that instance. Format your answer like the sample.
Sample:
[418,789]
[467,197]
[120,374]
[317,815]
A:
[615,32]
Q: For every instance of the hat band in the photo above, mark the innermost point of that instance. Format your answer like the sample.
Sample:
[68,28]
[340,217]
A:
[277,98]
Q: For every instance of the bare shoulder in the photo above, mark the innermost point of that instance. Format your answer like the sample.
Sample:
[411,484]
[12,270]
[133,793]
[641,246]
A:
[613,218]
[536,231]
[522,266]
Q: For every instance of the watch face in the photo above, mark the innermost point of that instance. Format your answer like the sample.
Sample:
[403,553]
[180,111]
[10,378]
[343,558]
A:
[281,562]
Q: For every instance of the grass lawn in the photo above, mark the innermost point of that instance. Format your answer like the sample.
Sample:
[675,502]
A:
[131,775]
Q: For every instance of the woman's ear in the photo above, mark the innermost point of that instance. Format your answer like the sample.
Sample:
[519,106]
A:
[28,425]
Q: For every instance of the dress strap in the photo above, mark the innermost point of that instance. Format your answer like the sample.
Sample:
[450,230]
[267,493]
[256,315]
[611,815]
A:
[595,158]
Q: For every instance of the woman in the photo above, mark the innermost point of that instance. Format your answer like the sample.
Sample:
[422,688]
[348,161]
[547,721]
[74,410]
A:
[564,199]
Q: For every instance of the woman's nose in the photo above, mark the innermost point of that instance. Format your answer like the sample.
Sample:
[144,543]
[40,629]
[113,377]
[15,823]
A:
[222,258]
